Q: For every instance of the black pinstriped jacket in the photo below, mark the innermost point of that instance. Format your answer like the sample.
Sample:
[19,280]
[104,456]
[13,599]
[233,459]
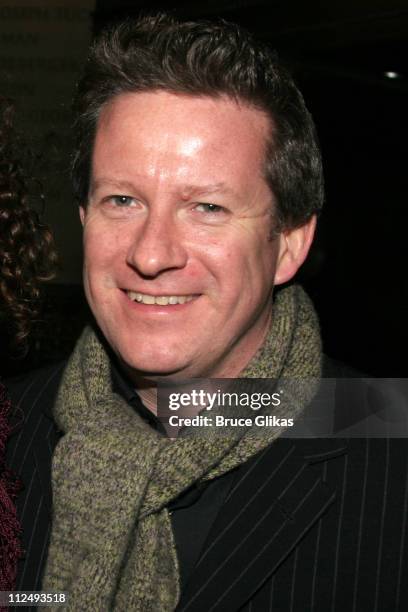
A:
[309,525]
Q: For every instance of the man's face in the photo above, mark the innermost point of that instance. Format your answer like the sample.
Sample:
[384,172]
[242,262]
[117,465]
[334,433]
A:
[179,259]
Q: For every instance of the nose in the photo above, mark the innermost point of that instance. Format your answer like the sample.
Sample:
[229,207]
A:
[157,246]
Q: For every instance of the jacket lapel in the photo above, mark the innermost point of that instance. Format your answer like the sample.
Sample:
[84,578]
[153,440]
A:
[43,460]
[276,498]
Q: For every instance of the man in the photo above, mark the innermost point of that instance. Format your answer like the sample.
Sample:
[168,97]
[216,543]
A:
[199,180]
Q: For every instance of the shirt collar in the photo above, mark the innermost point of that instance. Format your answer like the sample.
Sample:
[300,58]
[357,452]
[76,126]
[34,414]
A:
[124,387]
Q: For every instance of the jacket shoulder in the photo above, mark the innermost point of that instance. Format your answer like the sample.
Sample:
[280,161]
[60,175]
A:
[332,368]
[35,390]
[32,398]
[29,455]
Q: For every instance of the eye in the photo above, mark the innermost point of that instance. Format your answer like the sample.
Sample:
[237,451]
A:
[209,208]
[121,200]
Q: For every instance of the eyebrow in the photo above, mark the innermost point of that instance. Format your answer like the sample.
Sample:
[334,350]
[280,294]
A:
[194,190]
[121,185]
[186,191]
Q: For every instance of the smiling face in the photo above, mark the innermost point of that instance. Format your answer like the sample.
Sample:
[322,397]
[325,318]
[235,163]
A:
[179,260]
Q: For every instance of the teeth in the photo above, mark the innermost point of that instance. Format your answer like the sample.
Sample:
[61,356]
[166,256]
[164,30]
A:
[161,300]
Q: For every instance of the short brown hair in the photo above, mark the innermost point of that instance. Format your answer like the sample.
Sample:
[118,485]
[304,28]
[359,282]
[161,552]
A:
[213,59]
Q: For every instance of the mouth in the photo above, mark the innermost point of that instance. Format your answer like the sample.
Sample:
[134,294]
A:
[160,300]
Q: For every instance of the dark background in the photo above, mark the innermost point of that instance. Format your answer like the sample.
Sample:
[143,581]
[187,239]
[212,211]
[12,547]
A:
[340,53]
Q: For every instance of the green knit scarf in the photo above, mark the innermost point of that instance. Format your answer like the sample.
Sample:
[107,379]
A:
[112,546]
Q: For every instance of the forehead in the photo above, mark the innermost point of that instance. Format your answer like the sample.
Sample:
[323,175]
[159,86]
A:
[165,134]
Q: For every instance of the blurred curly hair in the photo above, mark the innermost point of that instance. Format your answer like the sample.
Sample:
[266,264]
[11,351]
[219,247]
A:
[27,252]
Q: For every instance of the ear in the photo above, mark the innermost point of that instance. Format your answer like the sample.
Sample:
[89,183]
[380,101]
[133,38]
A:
[82,214]
[293,249]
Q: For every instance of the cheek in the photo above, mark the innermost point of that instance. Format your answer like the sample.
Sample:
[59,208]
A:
[248,260]
[221,261]
[240,259]
[102,248]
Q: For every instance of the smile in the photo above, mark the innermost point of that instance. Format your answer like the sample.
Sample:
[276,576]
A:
[160,300]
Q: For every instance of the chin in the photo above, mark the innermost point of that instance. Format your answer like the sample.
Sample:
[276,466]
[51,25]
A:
[152,365]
